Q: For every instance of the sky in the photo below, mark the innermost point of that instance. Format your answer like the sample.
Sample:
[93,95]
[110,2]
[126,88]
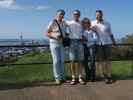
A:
[31,17]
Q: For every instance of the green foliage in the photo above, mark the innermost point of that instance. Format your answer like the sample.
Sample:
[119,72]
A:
[128,39]
[124,52]
[44,72]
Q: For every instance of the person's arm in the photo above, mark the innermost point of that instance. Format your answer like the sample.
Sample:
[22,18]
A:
[84,37]
[111,35]
[113,39]
[94,37]
[93,28]
[68,29]
[96,33]
[50,32]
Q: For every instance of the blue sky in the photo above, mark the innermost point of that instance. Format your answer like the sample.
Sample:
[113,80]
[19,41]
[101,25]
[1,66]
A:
[31,17]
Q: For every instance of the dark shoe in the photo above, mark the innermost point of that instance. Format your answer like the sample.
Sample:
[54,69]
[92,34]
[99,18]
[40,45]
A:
[93,79]
[108,80]
[65,81]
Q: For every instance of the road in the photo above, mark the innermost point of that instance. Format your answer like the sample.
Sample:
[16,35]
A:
[120,90]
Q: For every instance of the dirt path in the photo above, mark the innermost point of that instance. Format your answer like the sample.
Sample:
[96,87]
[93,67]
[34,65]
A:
[120,90]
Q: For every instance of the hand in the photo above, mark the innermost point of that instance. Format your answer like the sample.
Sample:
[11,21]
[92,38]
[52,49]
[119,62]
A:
[67,35]
[114,44]
[60,39]
[93,29]
[82,40]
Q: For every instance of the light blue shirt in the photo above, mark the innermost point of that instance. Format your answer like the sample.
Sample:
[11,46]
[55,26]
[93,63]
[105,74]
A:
[90,36]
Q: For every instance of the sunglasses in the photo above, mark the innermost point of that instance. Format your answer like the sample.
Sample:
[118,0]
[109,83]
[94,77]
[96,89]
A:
[76,14]
[86,22]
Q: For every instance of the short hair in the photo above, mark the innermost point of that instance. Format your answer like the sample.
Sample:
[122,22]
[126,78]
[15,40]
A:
[76,11]
[100,11]
[60,10]
[86,19]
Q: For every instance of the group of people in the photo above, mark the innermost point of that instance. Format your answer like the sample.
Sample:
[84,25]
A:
[88,39]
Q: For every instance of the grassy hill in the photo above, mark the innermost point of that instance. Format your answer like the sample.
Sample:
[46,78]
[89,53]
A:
[43,72]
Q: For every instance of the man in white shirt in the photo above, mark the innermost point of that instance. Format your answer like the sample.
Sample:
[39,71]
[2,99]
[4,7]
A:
[103,29]
[76,48]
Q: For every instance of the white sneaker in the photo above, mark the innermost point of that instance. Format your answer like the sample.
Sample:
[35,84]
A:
[58,82]
[81,81]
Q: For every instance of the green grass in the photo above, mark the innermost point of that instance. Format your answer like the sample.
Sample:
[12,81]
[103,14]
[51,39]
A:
[35,73]
[122,68]
[25,74]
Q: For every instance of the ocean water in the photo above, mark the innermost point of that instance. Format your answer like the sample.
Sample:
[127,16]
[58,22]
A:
[25,41]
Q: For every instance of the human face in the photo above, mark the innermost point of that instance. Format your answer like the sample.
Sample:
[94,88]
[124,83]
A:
[76,16]
[99,16]
[60,16]
[86,25]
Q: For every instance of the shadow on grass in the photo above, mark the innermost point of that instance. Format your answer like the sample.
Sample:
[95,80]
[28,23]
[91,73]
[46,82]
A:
[9,86]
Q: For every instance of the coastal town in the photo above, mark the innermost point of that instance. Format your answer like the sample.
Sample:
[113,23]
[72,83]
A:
[16,47]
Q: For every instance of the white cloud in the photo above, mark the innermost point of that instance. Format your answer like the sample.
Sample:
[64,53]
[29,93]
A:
[7,3]
[11,4]
[41,7]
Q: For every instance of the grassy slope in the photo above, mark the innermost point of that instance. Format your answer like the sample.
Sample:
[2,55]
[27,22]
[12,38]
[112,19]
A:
[32,73]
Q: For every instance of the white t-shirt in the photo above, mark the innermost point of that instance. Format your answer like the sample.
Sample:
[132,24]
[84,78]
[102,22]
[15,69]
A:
[53,27]
[75,29]
[104,31]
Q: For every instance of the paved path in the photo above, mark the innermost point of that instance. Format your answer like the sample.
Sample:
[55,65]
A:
[120,90]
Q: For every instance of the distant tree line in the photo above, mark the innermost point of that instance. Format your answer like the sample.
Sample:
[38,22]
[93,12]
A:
[123,52]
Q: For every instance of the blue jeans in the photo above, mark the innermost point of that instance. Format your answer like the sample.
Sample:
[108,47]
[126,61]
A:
[91,69]
[57,52]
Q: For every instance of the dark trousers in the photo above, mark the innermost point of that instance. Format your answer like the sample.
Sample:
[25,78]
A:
[90,68]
